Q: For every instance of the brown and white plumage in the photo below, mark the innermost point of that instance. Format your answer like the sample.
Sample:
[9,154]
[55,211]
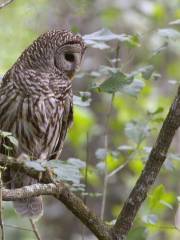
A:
[36,102]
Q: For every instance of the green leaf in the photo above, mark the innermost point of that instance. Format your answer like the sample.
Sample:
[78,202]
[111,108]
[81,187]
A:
[92,194]
[101,153]
[101,166]
[151,218]
[178,198]
[115,83]
[66,170]
[105,35]
[160,49]
[13,140]
[146,72]
[136,131]
[134,41]
[5,134]
[112,162]
[169,33]
[79,102]
[9,136]
[95,44]
[156,195]
[7,147]
[175,22]
[83,100]
[166,204]
[76,162]
[35,165]
[157,111]
[126,148]
[134,88]
[158,199]
[80,187]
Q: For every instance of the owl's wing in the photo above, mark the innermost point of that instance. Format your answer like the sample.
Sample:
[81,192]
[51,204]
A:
[24,111]
[66,122]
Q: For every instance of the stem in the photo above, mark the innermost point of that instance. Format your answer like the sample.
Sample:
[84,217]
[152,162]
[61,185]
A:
[105,179]
[35,229]
[86,169]
[117,169]
[105,184]
[86,180]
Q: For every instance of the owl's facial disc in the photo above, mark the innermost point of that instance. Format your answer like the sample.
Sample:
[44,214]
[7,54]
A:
[68,58]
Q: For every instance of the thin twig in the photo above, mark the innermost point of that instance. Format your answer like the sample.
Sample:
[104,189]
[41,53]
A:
[117,169]
[86,180]
[86,169]
[168,227]
[35,229]
[2,5]
[1,207]
[104,195]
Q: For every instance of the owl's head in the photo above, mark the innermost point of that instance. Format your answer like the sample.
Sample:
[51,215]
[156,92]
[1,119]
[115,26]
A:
[69,49]
[60,49]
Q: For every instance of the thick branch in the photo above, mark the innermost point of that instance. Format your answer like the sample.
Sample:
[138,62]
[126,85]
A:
[59,191]
[2,5]
[31,191]
[150,172]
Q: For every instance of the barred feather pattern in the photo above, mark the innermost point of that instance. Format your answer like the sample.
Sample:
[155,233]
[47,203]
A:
[36,106]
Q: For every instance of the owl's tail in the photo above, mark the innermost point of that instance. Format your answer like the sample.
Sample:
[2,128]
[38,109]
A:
[29,207]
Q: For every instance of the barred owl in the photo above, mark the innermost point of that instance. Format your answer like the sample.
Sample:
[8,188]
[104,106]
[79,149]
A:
[36,103]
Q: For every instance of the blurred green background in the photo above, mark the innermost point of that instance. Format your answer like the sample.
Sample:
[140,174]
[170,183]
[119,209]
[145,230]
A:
[112,129]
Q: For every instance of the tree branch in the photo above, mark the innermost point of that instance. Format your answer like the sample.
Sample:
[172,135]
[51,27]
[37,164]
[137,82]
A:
[59,191]
[146,180]
[2,5]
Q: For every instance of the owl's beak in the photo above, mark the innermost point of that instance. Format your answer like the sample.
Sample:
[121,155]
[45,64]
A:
[74,57]
[77,62]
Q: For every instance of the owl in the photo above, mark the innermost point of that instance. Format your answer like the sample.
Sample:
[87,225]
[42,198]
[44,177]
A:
[36,103]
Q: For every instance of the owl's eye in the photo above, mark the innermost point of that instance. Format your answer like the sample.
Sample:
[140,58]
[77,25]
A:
[69,57]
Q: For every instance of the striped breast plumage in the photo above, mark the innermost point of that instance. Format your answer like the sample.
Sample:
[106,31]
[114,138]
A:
[39,122]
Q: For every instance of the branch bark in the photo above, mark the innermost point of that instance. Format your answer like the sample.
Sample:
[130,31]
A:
[148,176]
[125,219]
[2,5]
[71,201]
[59,191]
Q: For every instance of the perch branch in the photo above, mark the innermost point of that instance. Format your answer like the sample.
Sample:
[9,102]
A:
[2,5]
[146,180]
[59,191]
